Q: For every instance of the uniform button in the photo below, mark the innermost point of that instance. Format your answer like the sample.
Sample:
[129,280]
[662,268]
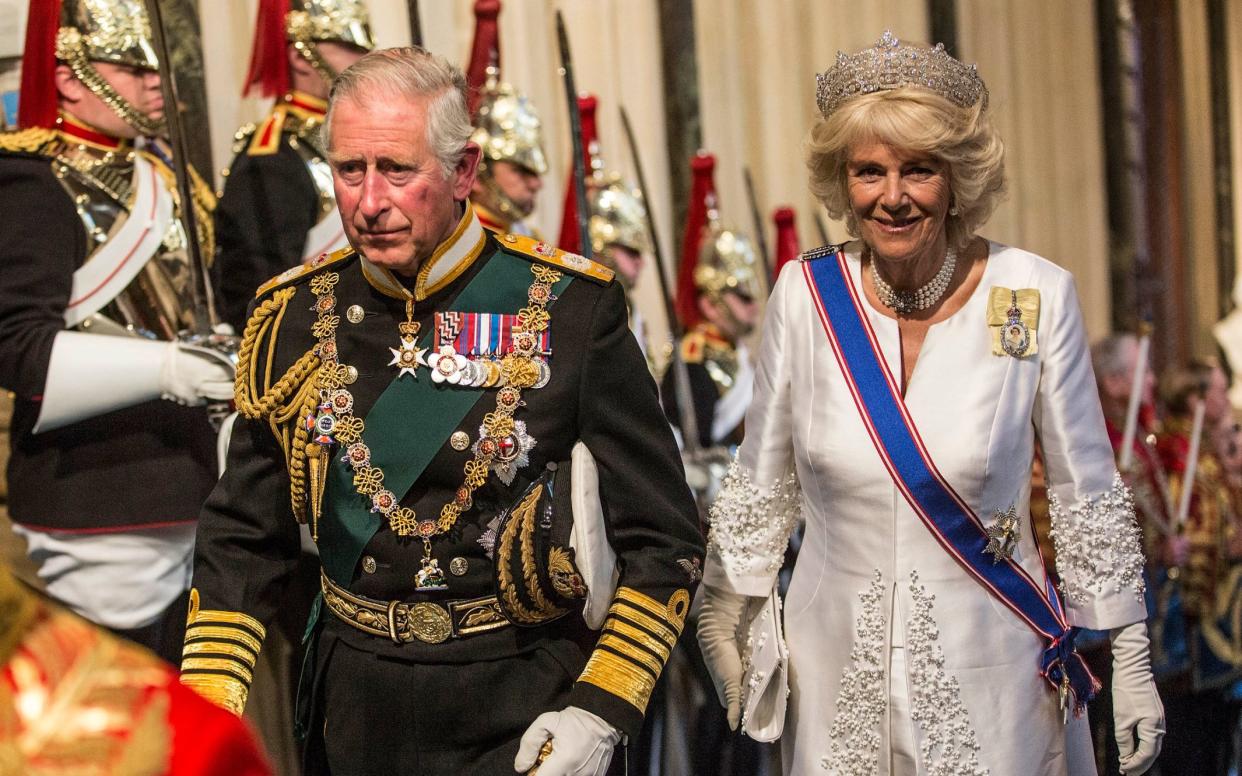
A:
[368,564]
[460,440]
[459,566]
[355,313]
[351,374]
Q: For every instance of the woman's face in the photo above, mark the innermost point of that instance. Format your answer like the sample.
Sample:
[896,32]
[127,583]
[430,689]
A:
[900,200]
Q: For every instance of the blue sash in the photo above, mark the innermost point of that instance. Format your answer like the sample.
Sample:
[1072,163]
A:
[945,514]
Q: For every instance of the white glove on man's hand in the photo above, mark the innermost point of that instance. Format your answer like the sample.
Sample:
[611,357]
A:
[717,632]
[1137,711]
[582,744]
[192,375]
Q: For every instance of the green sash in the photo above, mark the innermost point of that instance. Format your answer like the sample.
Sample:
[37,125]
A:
[409,424]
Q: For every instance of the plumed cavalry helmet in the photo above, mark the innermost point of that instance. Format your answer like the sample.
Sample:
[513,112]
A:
[618,216]
[303,23]
[714,259]
[615,211]
[79,33]
[507,126]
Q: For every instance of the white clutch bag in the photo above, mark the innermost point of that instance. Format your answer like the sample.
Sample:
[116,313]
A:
[765,672]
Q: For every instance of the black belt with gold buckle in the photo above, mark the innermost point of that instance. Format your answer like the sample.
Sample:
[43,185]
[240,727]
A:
[425,621]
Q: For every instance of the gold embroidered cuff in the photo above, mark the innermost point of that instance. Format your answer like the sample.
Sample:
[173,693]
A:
[638,637]
[221,649]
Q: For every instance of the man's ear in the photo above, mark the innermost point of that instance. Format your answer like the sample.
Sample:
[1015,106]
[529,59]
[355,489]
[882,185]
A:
[467,170]
[297,63]
[71,90]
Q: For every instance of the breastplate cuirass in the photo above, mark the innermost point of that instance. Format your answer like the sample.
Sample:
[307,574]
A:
[158,301]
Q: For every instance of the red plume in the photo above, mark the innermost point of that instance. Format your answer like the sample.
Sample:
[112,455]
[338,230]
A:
[702,188]
[571,237]
[38,99]
[269,60]
[486,50]
[786,238]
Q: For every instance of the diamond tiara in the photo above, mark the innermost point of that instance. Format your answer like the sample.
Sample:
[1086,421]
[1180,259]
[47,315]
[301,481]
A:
[890,65]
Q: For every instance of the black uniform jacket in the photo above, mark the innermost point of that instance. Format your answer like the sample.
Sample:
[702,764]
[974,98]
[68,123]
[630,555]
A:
[268,205]
[148,464]
[599,392]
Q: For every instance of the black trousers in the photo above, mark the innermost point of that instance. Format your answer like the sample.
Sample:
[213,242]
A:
[376,716]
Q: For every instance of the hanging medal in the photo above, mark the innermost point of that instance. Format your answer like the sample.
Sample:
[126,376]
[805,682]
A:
[430,576]
[408,356]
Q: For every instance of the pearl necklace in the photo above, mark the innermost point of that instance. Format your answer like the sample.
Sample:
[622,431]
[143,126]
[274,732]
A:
[921,298]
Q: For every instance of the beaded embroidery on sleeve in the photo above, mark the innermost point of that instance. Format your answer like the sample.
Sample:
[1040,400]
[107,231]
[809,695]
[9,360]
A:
[1099,545]
[750,525]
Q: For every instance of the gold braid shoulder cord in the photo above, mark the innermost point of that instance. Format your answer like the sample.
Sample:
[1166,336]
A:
[292,396]
[335,421]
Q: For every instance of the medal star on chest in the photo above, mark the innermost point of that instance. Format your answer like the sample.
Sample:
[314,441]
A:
[408,357]
[1002,535]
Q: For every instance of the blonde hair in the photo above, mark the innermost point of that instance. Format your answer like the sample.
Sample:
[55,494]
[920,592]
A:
[919,120]
[414,74]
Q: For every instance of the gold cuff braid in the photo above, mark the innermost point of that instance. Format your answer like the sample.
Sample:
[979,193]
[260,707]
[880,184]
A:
[221,649]
[638,637]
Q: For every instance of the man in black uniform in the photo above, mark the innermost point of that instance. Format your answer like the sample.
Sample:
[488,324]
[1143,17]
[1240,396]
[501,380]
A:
[109,465]
[277,209]
[419,401]
[718,301]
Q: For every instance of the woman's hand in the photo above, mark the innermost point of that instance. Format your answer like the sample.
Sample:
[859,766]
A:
[717,632]
[1138,715]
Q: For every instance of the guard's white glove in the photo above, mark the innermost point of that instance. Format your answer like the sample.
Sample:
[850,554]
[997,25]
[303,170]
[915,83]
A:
[582,744]
[192,375]
[1137,711]
[717,632]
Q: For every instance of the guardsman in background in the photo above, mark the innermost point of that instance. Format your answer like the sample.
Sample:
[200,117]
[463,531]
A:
[112,449]
[1114,359]
[278,209]
[508,131]
[77,700]
[1201,715]
[494,592]
[617,220]
[718,291]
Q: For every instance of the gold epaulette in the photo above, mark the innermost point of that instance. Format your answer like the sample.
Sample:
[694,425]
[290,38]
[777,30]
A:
[637,638]
[266,138]
[302,270]
[550,254]
[221,649]
[693,347]
[35,141]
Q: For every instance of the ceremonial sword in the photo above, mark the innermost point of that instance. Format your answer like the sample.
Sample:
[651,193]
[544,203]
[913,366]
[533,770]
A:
[575,135]
[764,255]
[681,376]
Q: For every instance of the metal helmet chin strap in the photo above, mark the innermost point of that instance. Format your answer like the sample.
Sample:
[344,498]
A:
[298,25]
[71,50]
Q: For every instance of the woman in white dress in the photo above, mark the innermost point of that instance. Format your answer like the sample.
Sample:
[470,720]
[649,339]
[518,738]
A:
[923,634]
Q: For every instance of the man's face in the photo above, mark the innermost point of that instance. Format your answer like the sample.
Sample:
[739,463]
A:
[1115,388]
[627,262]
[518,184]
[395,200]
[139,87]
[1216,398]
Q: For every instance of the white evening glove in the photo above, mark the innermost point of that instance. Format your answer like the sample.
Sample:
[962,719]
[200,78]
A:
[717,632]
[192,375]
[1137,711]
[582,744]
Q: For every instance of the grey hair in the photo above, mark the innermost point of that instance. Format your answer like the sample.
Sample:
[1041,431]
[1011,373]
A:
[1113,355]
[411,73]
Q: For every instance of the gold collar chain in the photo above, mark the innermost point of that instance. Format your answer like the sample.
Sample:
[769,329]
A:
[335,422]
